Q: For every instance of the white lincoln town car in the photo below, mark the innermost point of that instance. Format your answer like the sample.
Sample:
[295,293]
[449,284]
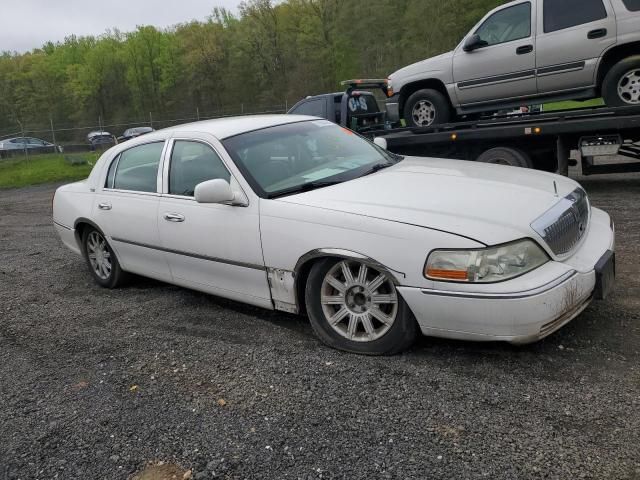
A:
[297,214]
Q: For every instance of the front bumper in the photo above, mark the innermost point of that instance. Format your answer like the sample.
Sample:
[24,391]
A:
[526,309]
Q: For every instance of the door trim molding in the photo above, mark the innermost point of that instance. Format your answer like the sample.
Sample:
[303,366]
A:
[540,72]
[192,255]
[497,79]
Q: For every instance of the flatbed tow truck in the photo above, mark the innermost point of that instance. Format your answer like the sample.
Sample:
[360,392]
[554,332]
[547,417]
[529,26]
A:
[540,140]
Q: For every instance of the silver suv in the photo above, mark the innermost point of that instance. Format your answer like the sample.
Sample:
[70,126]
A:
[527,52]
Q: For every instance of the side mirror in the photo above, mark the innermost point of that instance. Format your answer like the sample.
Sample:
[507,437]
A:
[381,142]
[473,43]
[214,191]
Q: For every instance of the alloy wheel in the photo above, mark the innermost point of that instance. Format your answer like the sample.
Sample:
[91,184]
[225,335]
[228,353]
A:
[99,255]
[424,113]
[629,87]
[359,302]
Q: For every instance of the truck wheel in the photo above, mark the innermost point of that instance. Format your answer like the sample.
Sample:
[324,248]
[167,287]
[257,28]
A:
[506,156]
[425,108]
[621,86]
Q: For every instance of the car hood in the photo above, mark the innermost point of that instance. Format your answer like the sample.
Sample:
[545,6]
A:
[492,204]
[436,67]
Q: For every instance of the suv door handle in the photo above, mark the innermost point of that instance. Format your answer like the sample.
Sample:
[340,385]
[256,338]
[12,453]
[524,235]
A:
[104,206]
[174,217]
[524,49]
[598,33]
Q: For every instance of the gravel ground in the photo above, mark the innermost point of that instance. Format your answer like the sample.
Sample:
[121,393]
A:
[97,384]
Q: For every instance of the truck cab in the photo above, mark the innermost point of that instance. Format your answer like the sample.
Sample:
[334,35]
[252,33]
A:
[354,108]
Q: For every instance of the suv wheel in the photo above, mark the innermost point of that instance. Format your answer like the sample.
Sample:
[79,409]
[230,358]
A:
[355,307]
[621,86]
[425,108]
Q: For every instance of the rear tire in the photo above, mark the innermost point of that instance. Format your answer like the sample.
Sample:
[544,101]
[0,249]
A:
[426,108]
[355,308]
[506,156]
[621,86]
[101,259]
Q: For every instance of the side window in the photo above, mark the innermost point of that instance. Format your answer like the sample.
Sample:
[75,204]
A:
[193,163]
[136,169]
[632,5]
[314,108]
[507,25]
[561,14]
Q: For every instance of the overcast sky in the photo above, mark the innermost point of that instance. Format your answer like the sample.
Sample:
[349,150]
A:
[28,24]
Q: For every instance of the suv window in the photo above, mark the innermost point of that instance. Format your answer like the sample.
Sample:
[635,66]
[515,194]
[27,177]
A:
[193,163]
[507,25]
[136,169]
[561,14]
[315,108]
[632,5]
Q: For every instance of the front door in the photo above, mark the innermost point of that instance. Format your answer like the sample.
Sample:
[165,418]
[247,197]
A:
[126,209]
[215,248]
[505,67]
[572,36]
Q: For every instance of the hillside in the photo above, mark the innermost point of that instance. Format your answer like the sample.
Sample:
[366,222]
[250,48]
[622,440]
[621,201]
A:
[271,52]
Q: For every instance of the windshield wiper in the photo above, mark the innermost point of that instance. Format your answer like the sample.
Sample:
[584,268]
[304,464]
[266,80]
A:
[307,187]
[377,168]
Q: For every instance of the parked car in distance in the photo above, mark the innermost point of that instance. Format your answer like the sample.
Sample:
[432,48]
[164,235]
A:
[29,143]
[295,213]
[525,52]
[134,132]
[100,140]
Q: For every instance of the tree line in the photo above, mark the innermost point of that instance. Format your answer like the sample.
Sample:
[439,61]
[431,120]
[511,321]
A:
[268,53]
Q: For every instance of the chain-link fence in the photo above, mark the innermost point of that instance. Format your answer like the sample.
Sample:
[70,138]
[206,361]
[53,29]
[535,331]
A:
[26,139]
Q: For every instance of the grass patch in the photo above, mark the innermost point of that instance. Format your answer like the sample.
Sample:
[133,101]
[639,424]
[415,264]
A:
[552,107]
[46,168]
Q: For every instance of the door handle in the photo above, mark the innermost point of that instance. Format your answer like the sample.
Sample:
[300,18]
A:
[104,206]
[598,33]
[174,217]
[524,49]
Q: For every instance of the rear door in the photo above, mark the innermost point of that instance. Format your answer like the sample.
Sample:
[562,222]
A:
[505,67]
[126,209]
[572,35]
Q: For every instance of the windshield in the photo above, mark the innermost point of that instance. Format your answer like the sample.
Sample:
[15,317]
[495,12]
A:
[296,157]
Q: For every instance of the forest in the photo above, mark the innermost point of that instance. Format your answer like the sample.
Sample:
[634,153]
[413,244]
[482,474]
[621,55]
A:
[268,53]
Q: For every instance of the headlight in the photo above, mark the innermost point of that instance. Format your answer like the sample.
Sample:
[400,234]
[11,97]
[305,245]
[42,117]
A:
[489,265]
[389,88]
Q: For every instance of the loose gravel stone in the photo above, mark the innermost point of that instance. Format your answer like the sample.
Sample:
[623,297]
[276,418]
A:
[70,353]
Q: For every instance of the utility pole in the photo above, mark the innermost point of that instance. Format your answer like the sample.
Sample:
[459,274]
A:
[24,140]
[53,135]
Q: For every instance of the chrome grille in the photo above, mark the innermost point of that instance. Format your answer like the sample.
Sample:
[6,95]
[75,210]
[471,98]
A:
[563,226]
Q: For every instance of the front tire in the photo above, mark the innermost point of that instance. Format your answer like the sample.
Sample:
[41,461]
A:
[101,259]
[356,308]
[621,86]
[426,108]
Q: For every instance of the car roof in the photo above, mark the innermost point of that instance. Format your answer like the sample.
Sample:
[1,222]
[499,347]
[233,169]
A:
[222,128]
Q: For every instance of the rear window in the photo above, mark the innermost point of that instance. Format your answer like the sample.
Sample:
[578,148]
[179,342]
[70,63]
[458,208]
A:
[136,169]
[561,14]
[359,104]
[314,108]
[632,5]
